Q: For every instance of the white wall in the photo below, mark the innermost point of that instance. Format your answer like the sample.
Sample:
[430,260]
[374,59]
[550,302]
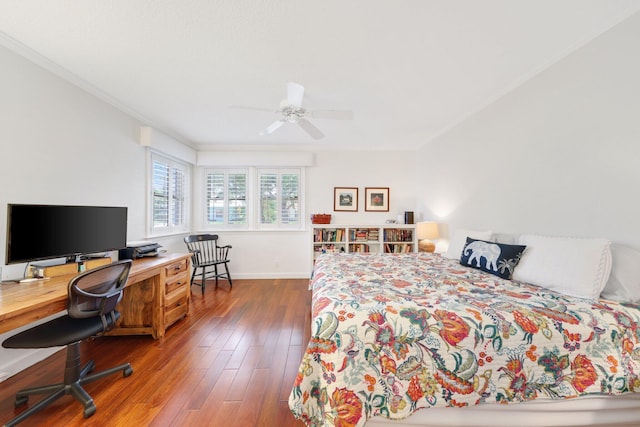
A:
[557,156]
[287,253]
[61,145]
[393,169]
[51,136]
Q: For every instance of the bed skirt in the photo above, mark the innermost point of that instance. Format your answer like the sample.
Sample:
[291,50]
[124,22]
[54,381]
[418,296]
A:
[591,411]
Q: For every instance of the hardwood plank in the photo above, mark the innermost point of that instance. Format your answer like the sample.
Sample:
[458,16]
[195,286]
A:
[226,415]
[242,383]
[178,398]
[251,403]
[234,357]
[211,408]
[202,390]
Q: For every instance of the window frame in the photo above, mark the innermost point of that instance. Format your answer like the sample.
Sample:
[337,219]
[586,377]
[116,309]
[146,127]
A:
[174,165]
[278,225]
[253,199]
[225,224]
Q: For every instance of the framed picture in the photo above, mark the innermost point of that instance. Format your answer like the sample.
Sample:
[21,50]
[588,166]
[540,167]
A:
[345,199]
[376,199]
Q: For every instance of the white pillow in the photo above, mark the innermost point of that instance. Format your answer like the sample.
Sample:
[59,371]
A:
[509,239]
[459,239]
[572,266]
[624,281]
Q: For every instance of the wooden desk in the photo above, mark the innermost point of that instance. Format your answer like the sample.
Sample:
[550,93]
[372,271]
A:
[157,294]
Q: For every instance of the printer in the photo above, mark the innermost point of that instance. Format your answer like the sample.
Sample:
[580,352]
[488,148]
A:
[139,249]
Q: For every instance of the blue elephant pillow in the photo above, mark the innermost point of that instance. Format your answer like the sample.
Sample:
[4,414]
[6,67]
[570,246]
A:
[495,258]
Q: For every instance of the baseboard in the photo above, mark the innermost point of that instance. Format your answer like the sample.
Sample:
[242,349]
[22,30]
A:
[280,275]
[13,361]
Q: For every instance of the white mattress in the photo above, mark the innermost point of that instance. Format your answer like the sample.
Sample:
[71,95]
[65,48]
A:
[592,411]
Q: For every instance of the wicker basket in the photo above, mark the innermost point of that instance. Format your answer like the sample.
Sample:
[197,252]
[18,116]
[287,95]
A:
[320,219]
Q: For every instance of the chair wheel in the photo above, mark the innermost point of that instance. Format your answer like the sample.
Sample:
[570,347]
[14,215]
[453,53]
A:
[89,410]
[21,400]
[127,372]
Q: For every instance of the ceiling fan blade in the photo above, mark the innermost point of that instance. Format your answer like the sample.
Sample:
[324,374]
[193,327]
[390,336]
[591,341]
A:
[272,127]
[332,114]
[244,107]
[308,127]
[295,92]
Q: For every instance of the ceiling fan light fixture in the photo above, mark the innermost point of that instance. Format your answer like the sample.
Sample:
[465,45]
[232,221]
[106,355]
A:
[293,114]
[291,111]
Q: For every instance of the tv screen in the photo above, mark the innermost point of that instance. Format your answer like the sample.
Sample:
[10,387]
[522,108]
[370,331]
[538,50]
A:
[38,232]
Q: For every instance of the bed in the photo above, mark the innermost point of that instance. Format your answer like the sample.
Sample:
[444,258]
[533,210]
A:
[427,340]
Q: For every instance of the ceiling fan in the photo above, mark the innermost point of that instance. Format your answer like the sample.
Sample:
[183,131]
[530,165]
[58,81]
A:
[292,111]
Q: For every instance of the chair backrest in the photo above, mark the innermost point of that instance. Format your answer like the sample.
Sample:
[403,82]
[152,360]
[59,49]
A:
[97,291]
[203,247]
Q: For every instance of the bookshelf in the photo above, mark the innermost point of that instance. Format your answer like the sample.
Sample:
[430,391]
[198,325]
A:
[388,238]
[399,240]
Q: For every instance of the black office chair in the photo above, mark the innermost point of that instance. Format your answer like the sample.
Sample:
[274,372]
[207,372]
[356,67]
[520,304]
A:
[206,255]
[91,311]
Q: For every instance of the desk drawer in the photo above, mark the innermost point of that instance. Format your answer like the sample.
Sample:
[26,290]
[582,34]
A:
[175,297]
[172,283]
[176,307]
[175,268]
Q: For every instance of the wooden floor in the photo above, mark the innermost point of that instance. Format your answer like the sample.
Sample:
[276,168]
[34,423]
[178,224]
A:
[231,362]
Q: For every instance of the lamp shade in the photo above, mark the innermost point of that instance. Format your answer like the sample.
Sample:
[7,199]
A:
[427,230]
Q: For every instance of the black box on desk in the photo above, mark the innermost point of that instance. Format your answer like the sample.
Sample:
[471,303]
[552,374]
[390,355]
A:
[136,250]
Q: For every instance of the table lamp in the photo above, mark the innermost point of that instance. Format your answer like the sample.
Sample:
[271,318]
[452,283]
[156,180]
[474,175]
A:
[426,232]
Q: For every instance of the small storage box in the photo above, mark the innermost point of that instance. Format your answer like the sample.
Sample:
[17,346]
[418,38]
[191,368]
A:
[320,219]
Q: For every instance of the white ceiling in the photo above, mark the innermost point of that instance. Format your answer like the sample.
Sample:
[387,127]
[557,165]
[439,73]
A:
[409,69]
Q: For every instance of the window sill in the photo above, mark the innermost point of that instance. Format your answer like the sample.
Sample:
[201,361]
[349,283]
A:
[166,235]
[224,230]
[251,230]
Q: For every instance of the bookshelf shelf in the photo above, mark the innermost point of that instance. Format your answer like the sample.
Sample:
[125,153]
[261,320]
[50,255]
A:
[388,238]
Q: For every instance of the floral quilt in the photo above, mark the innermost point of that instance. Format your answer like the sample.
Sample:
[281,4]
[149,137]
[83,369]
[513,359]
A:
[394,333]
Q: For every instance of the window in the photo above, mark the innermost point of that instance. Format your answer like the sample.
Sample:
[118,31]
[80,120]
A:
[169,195]
[226,197]
[253,198]
[279,200]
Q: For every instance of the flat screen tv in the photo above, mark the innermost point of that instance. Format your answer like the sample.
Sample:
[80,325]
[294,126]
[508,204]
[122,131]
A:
[39,232]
